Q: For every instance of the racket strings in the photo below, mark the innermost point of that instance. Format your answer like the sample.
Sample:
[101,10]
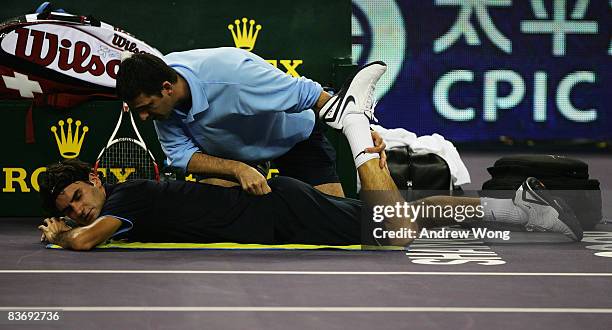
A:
[126,160]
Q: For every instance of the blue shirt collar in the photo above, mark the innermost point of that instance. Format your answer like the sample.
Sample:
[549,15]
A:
[199,101]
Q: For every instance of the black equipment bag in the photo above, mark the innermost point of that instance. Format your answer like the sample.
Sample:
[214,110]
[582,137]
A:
[567,178]
[420,175]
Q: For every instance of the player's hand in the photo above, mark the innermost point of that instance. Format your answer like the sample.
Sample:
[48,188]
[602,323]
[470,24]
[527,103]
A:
[51,228]
[379,148]
[251,180]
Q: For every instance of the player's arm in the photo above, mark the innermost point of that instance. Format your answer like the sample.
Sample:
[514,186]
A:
[249,178]
[85,238]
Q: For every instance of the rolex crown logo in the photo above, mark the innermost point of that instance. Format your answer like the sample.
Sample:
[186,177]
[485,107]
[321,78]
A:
[69,143]
[244,38]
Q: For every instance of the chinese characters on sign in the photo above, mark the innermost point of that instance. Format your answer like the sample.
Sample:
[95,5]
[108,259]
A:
[463,26]
[551,17]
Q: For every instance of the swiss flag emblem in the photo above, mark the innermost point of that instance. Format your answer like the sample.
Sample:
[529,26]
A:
[21,84]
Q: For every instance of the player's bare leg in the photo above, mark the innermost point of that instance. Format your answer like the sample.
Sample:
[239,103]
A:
[334,189]
[323,98]
[350,111]
[378,188]
[374,178]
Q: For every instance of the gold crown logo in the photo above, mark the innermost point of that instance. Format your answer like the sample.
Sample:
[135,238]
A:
[244,38]
[69,144]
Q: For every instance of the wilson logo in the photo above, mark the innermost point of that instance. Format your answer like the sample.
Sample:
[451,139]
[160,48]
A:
[46,49]
[125,44]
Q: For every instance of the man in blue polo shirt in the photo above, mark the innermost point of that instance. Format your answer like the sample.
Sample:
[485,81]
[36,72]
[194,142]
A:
[219,111]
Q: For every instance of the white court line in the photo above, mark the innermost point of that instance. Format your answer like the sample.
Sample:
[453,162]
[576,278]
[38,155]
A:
[285,272]
[311,309]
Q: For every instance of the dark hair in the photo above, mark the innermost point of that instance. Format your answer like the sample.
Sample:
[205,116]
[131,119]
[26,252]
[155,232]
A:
[57,177]
[143,73]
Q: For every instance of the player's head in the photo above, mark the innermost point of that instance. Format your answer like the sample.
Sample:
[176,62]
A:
[70,188]
[146,83]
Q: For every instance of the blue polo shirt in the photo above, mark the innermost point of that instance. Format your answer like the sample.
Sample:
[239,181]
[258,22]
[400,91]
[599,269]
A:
[243,108]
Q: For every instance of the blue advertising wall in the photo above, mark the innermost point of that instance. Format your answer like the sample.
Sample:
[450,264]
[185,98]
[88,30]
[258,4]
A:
[475,70]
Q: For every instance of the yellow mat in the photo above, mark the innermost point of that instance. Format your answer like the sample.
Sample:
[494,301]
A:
[228,246]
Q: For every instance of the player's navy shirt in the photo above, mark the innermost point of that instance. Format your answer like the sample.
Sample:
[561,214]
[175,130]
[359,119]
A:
[179,211]
[243,108]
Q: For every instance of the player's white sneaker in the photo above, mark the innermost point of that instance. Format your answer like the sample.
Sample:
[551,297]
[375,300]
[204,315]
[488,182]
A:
[355,96]
[545,212]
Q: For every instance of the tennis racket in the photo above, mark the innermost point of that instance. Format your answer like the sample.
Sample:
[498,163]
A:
[126,158]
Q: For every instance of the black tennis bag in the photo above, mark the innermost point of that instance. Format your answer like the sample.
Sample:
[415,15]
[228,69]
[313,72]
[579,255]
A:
[567,178]
[419,175]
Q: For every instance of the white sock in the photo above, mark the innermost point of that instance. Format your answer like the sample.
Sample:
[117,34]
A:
[356,128]
[502,211]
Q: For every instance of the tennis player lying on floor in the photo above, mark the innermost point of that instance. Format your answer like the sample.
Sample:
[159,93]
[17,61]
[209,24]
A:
[293,212]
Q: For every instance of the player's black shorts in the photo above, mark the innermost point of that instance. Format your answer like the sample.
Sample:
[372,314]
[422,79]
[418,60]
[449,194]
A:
[312,161]
[301,214]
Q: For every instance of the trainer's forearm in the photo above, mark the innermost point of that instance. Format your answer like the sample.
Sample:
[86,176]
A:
[207,164]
